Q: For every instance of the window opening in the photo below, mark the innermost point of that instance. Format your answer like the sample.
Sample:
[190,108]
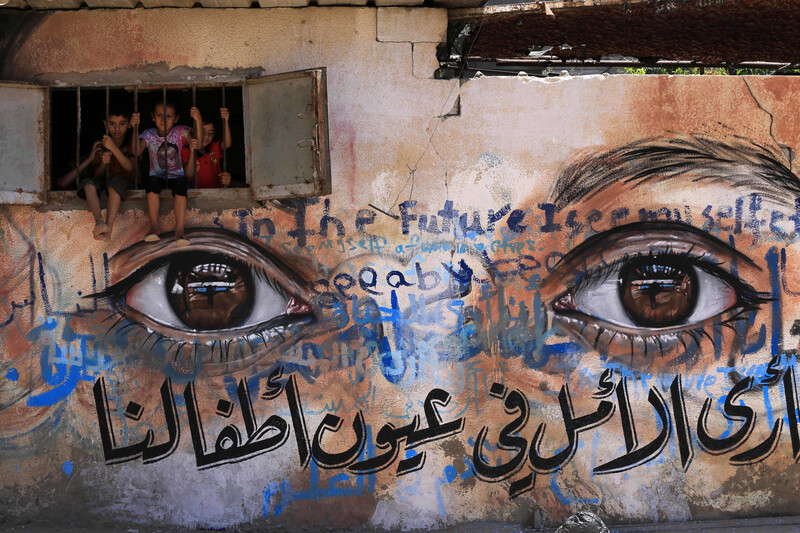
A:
[77,122]
[278,135]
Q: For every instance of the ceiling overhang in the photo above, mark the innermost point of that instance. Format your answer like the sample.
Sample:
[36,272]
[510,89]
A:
[705,31]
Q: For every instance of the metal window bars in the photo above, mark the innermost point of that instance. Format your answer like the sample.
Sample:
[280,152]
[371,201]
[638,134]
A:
[164,145]
[78,142]
[197,135]
[106,125]
[224,137]
[136,140]
[135,143]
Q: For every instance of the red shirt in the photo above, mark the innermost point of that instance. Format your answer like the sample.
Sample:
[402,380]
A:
[208,167]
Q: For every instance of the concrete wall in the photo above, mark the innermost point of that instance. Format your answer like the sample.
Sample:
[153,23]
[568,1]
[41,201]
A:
[584,298]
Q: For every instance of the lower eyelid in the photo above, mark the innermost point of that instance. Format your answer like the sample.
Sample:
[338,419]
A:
[207,355]
[637,347]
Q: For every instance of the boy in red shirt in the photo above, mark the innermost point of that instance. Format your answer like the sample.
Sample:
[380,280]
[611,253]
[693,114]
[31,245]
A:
[209,174]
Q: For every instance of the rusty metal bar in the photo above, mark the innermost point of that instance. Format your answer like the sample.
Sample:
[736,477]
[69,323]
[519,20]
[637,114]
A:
[104,149]
[136,139]
[224,137]
[166,133]
[197,134]
[78,142]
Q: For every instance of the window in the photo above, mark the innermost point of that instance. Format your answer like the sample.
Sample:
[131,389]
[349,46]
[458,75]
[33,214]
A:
[279,133]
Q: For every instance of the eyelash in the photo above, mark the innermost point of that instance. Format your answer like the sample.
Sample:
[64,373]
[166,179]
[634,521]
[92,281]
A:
[603,272]
[263,332]
[747,300]
[123,324]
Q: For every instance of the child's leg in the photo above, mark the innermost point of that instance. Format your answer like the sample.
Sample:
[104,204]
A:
[179,190]
[93,199]
[153,190]
[152,212]
[114,199]
[117,189]
[180,215]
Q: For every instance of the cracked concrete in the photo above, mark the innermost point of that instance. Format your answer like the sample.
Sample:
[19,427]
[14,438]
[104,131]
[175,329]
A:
[765,110]
[395,134]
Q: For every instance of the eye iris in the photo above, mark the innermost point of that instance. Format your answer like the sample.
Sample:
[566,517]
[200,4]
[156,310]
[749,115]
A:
[658,293]
[210,293]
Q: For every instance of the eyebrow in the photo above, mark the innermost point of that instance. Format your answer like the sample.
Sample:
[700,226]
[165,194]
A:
[736,163]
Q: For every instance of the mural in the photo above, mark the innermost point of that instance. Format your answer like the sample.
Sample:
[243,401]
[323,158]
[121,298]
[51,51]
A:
[562,295]
[535,347]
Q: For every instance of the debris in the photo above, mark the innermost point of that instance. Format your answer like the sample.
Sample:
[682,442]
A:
[583,522]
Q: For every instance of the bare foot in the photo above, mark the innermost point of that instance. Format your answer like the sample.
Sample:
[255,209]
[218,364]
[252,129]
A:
[101,232]
[105,233]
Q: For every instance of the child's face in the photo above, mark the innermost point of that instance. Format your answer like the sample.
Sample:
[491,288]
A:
[117,126]
[159,118]
[208,134]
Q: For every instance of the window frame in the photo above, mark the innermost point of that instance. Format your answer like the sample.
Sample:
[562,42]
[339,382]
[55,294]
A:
[207,198]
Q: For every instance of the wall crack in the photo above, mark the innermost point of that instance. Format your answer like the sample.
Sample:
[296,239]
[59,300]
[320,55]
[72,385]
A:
[762,108]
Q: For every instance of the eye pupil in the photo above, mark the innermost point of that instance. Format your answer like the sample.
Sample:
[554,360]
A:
[208,293]
[658,292]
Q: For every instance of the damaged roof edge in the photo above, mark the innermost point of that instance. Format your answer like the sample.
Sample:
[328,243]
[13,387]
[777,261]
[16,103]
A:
[708,31]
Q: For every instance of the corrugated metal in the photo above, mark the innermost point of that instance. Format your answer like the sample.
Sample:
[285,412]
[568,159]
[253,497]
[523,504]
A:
[722,31]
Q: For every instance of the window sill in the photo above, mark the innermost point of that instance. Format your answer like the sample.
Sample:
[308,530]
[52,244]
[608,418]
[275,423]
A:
[211,200]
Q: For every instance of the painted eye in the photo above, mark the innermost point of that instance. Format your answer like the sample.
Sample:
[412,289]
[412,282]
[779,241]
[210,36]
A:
[218,289]
[646,286]
[207,292]
[653,292]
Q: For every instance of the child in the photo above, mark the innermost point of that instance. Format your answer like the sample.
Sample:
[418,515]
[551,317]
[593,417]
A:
[164,144]
[209,174]
[64,182]
[110,152]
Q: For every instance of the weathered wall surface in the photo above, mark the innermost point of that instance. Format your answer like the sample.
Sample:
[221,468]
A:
[585,299]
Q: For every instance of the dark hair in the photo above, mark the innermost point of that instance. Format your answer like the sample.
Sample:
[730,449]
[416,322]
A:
[739,162]
[170,103]
[216,122]
[119,109]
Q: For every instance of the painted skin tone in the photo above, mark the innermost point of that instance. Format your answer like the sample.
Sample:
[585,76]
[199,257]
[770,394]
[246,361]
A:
[540,384]
[208,138]
[164,123]
[723,354]
[611,191]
